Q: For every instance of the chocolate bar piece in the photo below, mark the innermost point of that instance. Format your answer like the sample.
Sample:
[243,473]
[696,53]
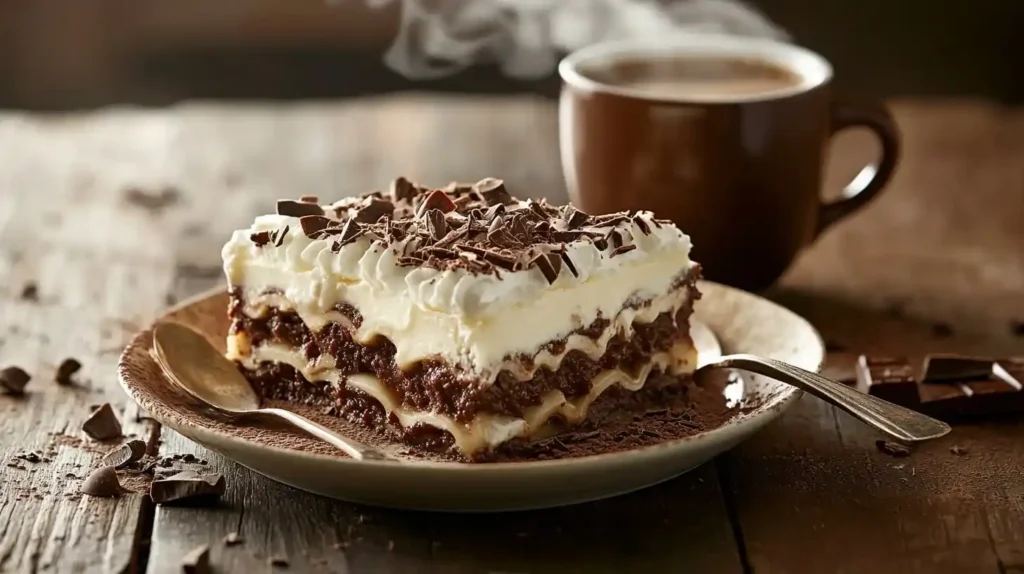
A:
[952,387]
[888,378]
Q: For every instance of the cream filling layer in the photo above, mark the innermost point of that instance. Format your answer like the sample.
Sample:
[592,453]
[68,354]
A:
[257,305]
[485,430]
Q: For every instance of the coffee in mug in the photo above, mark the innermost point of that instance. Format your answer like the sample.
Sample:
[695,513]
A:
[726,136]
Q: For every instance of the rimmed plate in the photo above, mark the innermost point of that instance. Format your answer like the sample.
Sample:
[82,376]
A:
[742,322]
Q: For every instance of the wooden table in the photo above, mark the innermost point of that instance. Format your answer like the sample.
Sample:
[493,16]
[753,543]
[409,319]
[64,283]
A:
[116,214]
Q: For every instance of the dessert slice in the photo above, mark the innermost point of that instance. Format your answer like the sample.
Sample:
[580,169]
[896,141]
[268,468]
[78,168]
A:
[459,318]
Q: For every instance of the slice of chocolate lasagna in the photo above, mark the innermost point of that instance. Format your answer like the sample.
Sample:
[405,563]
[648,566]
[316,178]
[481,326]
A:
[459,318]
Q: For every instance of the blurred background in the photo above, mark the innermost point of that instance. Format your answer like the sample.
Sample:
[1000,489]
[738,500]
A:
[60,54]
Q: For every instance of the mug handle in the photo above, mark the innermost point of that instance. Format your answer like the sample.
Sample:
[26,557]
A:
[873,177]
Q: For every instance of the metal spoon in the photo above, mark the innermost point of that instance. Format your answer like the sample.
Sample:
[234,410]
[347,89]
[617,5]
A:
[896,421]
[188,359]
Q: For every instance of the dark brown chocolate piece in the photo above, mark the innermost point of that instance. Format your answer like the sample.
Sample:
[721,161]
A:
[402,190]
[187,487]
[436,224]
[13,380]
[313,224]
[66,371]
[126,454]
[291,208]
[197,561]
[260,238]
[890,379]
[623,249]
[944,368]
[550,264]
[102,424]
[492,191]
[279,236]
[309,199]
[373,210]
[954,388]
[437,199]
[574,217]
[102,483]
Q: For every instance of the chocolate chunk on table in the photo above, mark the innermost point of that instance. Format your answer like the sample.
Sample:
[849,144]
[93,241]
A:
[952,387]
[888,378]
[102,424]
[187,487]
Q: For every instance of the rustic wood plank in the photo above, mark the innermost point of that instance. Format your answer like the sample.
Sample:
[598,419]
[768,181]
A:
[934,265]
[63,229]
[332,150]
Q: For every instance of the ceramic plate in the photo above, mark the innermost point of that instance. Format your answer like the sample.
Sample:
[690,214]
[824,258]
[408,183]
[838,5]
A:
[741,322]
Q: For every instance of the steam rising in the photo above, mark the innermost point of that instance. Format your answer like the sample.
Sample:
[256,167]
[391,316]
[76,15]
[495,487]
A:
[527,37]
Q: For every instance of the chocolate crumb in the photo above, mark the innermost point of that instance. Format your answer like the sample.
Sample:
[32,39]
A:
[292,208]
[260,238]
[30,292]
[892,448]
[197,561]
[13,380]
[102,424]
[102,483]
[66,370]
[279,561]
[958,451]
[28,457]
[126,454]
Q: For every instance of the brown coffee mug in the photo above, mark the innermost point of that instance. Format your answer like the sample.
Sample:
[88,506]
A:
[726,136]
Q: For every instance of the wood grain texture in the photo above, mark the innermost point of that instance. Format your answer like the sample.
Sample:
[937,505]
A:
[94,289]
[935,264]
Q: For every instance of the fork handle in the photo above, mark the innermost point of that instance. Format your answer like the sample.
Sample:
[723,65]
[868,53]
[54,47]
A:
[896,421]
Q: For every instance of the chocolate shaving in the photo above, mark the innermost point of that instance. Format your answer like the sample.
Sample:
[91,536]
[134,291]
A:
[102,424]
[623,249]
[568,263]
[492,191]
[574,217]
[350,232]
[402,190]
[373,210]
[260,238]
[188,487]
[614,239]
[13,380]
[639,222]
[312,225]
[549,264]
[128,453]
[290,208]
[436,224]
[437,199]
[309,199]
[494,211]
[452,236]
[281,234]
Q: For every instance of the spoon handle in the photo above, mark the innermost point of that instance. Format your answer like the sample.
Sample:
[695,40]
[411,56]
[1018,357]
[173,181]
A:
[353,448]
[893,420]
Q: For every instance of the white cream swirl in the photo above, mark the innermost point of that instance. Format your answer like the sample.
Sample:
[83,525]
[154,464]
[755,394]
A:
[471,320]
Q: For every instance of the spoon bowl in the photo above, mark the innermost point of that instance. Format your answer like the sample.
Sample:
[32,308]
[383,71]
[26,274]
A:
[193,364]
